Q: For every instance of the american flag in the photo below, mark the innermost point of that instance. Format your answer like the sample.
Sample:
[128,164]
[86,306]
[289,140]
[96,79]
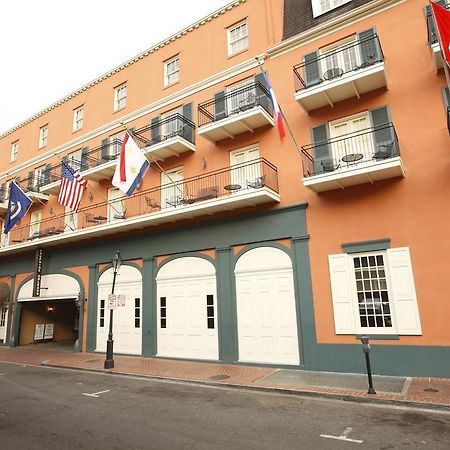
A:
[72,187]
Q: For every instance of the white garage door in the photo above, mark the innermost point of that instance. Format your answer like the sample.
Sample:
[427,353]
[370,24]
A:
[127,320]
[187,309]
[267,319]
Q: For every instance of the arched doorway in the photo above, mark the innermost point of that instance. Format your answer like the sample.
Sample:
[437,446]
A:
[127,319]
[187,309]
[54,316]
[266,313]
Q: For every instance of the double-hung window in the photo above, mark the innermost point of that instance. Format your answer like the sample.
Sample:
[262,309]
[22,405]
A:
[120,97]
[78,116]
[43,136]
[374,293]
[237,38]
[14,151]
[320,7]
[171,70]
[35,223]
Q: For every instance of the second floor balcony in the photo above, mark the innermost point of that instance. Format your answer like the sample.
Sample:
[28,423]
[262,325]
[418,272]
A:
[239,186]
[361,157]
[166,137]
[235,111]
[330,75]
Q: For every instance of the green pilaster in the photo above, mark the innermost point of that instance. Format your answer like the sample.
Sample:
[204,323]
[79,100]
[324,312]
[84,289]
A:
[306,328]
[226,301]
[16,324]
[91,337]
[10,309]
[149,305]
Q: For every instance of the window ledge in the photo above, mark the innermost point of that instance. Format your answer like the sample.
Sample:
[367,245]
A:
[238,53]
[387,337]
[171,84]
[119,109]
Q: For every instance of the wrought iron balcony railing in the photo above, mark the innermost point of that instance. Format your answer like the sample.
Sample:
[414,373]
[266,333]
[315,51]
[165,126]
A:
[164,129]
[234,102]
[333,64]
[227,182]
[350,151]
[431,27]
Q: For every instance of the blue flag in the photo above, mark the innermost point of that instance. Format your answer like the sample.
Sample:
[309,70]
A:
[18,205]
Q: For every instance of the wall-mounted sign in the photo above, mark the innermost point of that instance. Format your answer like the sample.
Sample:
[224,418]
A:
[39,331]
[49,328]
[37,273]
[115,300]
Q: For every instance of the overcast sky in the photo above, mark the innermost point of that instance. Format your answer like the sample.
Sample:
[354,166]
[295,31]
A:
[49,48]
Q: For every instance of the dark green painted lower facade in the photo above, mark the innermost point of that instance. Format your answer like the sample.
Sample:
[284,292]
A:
[261,228]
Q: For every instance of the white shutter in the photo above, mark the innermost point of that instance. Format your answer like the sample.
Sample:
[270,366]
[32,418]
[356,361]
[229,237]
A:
[341,292]
[404,298]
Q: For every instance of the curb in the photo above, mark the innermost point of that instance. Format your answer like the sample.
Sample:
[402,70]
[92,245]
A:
[278,390]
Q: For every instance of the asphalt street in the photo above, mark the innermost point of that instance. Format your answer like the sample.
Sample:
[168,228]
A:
[47,408]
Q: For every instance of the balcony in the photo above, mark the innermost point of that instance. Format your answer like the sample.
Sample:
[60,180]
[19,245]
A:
[362,157]
[344,72]
[32,186]
[238,111]
[168,137]
[433,35]
[240,186]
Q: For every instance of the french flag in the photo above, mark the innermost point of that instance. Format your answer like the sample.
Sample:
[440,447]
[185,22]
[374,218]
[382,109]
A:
[276,109]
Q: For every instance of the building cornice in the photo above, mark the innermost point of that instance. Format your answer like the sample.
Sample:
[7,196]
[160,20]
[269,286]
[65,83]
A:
[331,26]
[218,78]
[128,63]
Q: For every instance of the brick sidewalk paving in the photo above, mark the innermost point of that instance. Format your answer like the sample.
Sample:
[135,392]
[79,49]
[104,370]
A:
[417,394]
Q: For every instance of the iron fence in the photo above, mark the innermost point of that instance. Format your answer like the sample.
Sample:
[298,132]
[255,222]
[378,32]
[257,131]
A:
[226,104]
[230,181]
[350,151]
[333,64]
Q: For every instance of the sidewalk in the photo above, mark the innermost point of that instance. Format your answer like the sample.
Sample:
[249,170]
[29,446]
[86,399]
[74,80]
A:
[418,392]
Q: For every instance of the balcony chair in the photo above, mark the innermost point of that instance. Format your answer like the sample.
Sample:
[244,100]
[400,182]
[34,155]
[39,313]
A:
[152,203]
[329,165]
[332,73]
[119,215]
[207,193]
[259,182]
[384,151]
[248,102]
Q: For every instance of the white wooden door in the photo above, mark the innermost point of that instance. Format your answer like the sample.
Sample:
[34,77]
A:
[172,192]
[349,138]
[266,313]
[127,320]
[242,170]
[187,309]
[116,207]
[3,323]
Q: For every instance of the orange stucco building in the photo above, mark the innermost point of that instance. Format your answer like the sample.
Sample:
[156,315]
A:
[238,245]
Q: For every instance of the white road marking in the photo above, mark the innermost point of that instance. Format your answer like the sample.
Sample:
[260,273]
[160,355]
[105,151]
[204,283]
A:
[96,394]
[343,436]
[2,373]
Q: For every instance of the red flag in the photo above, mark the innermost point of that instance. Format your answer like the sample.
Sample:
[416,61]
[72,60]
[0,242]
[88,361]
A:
[442,18]
[123,176]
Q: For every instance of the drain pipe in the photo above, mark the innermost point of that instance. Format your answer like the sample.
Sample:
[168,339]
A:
[366,350]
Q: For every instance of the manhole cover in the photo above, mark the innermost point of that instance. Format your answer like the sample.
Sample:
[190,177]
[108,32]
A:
[431,390]
[219,377]
[92,360]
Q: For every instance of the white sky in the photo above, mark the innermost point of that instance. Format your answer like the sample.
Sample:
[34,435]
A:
[49,48]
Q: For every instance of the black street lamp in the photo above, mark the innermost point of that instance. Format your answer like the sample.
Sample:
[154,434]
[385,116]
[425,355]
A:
[109,361]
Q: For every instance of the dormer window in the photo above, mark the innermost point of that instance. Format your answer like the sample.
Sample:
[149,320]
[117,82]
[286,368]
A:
[320,7]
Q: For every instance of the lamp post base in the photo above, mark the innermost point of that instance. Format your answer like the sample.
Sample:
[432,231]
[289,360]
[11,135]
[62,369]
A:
[109,361]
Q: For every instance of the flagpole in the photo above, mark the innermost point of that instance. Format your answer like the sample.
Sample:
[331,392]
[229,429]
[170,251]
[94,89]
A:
[445,63]
[159,166]
[283,115]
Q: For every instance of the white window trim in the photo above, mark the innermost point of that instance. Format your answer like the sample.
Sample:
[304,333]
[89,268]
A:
[120,102]
[402,294]
[78,122]
[167,74]
[14,151]
[318,10]
[230,44]
[43,136]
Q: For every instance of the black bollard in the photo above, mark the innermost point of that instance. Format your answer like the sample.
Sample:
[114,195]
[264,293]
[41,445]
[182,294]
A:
[366,350]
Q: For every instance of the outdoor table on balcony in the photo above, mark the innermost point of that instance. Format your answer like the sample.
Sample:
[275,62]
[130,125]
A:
[100,218]
[352,157]
[232,187]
